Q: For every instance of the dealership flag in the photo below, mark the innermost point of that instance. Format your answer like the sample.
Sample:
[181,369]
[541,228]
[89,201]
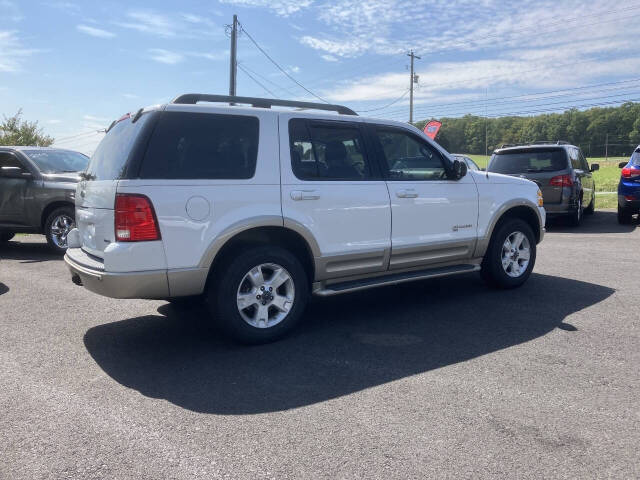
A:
[432,128]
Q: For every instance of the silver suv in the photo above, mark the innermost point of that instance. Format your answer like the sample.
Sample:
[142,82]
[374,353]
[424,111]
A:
[254,208]
[559,169]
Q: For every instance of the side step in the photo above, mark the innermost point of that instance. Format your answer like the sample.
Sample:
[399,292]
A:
[392,279]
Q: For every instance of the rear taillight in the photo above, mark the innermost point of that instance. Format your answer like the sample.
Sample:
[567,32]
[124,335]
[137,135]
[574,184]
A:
[561,181]
[630,172]
[135,220]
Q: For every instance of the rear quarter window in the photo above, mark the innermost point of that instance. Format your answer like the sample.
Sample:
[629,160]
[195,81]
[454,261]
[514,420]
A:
[187,145]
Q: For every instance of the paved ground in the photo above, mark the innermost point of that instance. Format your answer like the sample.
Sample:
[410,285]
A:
[437,379]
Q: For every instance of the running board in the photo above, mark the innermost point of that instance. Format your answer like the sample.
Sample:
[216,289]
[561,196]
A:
[392,279]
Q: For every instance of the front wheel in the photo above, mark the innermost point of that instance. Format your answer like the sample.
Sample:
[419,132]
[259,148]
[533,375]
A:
[511,255]
[57,226]
[6,236]
[259,295]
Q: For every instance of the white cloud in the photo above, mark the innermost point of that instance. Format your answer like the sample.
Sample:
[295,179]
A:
[329,58]
[184,25]
[130,96]
[213,56]
[283,8]
[54,121]
[95,32]
[10,11]
[167,57]
[12,52]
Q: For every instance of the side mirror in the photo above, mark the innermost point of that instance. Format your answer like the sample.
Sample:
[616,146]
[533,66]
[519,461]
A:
[595,167]
[622,164]
[14,172]
[459,169]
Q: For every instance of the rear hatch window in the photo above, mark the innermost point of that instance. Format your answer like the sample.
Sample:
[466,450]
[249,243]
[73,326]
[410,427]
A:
[525,161]
[110,160]
[635,158]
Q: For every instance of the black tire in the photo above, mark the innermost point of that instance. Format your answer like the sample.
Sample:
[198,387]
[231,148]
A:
[222,293]
[48,225]
[574,218]
[6,236]
[492,270]
[590,210]
[625,217]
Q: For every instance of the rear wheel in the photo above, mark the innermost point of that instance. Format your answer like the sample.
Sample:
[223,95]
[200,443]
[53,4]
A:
[590,210]
[576,217]
[57,226]
[6,236]
[511,255]
[260,294]
[625,217]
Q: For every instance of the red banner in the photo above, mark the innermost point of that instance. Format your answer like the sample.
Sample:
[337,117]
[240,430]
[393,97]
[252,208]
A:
[432,128]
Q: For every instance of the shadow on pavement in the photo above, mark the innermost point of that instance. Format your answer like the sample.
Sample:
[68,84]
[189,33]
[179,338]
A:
[28,252]
[344,344]
[602,221]
[3,288]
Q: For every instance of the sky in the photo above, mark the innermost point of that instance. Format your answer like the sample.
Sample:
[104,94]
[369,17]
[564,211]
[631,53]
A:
[75,66]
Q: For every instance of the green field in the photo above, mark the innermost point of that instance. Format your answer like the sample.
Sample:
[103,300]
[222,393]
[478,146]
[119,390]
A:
[606,178]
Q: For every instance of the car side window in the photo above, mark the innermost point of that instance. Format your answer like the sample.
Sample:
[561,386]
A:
[408,158]
[326,151]
[187,145]
[575,159]
[583,161]
[9,162]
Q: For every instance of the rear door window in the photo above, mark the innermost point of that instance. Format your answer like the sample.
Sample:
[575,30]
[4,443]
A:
[186,145]
[635,158]
[328,151]
[528,161]
[575,159]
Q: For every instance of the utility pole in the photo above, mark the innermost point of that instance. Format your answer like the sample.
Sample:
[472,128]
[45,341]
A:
[412,80]
[606,147]
[233,67]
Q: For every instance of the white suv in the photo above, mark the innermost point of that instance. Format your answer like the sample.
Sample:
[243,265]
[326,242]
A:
[254,209]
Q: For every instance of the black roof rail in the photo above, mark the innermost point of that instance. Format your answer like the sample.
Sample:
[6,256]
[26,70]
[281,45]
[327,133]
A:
[507,145]
[549,142]
[193,98]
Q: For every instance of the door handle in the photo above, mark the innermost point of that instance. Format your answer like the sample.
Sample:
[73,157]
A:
[304,195]
[409,193]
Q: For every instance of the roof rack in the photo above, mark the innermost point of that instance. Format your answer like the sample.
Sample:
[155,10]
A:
[193,98]
[549,142]
[507,145]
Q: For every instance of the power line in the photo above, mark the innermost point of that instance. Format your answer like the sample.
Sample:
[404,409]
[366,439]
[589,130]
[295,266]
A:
[258,74]
[255,80]
[279,67]
[387,105]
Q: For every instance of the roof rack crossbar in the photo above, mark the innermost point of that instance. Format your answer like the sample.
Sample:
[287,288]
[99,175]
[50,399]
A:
[193,98]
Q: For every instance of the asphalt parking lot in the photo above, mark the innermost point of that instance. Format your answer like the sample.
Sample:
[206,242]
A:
[441,379]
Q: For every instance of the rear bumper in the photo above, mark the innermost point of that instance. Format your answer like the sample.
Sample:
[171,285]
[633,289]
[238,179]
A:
[90,273]
[629,204]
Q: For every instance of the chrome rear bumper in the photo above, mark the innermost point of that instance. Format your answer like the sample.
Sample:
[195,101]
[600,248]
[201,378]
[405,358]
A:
[87,271]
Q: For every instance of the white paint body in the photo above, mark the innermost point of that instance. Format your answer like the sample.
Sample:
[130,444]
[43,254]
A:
[340,220]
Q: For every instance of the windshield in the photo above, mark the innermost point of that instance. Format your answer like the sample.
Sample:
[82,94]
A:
[110,158]
[528,161]
[57,161]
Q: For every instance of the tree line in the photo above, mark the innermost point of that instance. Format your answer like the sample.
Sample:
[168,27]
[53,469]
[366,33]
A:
[612,130]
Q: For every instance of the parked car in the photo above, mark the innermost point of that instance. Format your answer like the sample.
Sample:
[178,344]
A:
[257,208]
[471,165]
[629,188]
[560,170]
[37,192]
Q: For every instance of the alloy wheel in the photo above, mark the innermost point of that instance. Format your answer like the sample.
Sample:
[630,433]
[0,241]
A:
[516,252]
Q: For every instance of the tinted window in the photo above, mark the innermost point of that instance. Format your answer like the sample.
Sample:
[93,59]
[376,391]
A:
[57,161]
[109,161]
[532,161]
[187,145]
[584,165]
[9,160]
[409,158]
[321,151]
[635,158]
[575,159]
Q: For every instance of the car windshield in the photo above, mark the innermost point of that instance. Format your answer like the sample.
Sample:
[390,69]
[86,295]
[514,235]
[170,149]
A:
[58,161]
[528,161]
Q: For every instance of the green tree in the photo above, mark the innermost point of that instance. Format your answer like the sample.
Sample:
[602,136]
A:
[15,131]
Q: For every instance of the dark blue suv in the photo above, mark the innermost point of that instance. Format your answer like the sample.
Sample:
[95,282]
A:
[629,188]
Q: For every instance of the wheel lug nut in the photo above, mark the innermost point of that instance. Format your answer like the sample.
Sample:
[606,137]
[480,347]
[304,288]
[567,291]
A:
[262,288]
[258,297]
[270,289]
